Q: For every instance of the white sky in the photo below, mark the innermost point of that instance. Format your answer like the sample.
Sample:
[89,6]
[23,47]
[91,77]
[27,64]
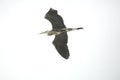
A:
[94,51]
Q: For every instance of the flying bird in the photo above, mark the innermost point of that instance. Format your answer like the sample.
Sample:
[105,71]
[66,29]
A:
[60,31]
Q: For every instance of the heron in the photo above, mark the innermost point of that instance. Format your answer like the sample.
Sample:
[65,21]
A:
[60,31]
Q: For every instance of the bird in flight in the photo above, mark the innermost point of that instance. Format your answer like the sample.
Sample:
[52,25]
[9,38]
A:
[60,31]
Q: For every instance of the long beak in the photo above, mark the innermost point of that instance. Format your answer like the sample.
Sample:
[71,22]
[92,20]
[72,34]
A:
[43,32]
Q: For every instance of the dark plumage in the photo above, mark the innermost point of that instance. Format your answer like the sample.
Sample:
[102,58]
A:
[60,41]
[60,32]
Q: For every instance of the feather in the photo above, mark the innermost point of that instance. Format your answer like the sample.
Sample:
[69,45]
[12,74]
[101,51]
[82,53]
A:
[60,41]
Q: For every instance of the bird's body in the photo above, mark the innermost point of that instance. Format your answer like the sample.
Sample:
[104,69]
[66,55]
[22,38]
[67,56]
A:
[60,32]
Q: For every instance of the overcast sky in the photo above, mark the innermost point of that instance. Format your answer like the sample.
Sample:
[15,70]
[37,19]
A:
[94,51]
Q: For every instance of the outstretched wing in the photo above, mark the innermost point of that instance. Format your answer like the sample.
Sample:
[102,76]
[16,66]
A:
[60,43]
[55,19]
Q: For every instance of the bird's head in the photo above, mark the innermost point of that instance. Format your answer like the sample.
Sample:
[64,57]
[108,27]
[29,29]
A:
[44,32]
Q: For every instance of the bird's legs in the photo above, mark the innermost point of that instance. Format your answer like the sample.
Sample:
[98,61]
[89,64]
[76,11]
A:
[70,29]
